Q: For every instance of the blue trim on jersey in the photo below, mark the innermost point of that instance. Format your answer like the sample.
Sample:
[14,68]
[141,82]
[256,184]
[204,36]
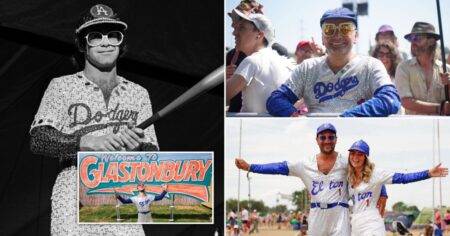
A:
[385,101]
[383,192]
[279,168]
[124,200]
[400,178]
[160,196]
[280,102]
[328,205]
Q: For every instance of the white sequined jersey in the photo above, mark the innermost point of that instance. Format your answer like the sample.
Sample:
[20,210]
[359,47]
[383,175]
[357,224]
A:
[325,91]
[365,196]
[73,102]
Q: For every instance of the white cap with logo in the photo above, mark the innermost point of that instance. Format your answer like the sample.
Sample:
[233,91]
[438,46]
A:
[261,22]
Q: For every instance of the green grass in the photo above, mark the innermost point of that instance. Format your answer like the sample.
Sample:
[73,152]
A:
[128,213]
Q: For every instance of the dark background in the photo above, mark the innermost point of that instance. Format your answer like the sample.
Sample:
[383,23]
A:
[172,44]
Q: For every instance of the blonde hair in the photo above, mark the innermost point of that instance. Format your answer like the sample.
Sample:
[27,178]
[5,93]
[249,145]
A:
[366,172]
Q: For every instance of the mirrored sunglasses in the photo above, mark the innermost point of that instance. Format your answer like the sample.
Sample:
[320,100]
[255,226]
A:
[345,29]
[114,38]
[324,137]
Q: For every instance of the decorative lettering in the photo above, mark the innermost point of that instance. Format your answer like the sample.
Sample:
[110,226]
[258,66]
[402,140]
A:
[81,114]
[316,187]
[328,91]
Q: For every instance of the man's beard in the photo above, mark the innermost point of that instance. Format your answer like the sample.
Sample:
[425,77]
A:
[322,150]
[428,49]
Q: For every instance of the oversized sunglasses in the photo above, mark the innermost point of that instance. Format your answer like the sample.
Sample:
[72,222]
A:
[345,29]
[114,38]
[324,137]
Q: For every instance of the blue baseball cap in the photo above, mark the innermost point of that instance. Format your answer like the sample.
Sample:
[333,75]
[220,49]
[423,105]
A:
[339,13]
[360,146]
[324,127]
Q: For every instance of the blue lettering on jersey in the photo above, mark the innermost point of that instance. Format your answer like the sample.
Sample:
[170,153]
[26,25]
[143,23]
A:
[364,195]
[337,184]
[316,187]
[324,92]
[143,203]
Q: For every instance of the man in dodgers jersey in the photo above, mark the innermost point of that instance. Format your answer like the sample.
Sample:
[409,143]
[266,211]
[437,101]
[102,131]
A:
[143,201]
[91,110]
[339,82]
[325,177]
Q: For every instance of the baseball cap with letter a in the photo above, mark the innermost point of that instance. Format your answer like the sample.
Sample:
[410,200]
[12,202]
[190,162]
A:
[100,14]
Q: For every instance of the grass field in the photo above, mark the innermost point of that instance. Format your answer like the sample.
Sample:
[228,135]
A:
[128,213]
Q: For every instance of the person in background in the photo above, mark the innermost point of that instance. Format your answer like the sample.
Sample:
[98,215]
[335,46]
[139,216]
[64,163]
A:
[388,54]
[234,57]
[255,221]
[437,222]
[263,70]
[307,49]
[419,80]
[386,33]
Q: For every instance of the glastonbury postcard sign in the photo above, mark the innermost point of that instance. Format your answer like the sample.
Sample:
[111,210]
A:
[186,173]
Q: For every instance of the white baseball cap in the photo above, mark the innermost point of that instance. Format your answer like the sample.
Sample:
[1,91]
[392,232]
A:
[261,22]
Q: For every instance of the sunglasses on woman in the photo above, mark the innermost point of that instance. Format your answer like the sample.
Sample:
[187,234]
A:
[329,29]
[95,39]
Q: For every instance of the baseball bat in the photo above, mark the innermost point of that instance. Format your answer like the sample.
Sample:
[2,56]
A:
[207,83]
[441,37]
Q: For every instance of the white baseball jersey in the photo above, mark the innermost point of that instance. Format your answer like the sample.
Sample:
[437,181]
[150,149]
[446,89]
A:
[71,104]
[143,207]
[325,189]
[325,91]
[366,219]
[264,71]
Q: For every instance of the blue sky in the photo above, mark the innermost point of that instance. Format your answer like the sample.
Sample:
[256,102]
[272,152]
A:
[296,20]
[400,145]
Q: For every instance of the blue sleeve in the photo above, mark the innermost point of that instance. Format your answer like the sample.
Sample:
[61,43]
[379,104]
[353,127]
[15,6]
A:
[280,102]
[383,192]
[124,200]
[385,101]
[279,168]
[400,178]
[160,196]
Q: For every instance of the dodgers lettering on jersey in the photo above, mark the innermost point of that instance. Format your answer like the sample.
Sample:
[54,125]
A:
[326,91]
[73,103]
[143,203]
[82,114]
